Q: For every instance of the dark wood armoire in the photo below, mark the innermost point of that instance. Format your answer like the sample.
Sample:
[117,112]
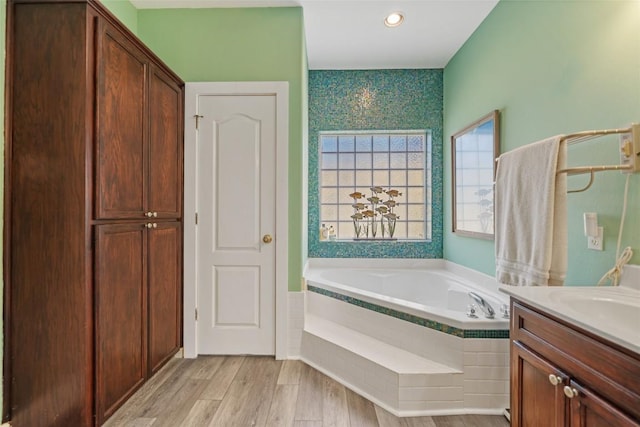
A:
[93,214]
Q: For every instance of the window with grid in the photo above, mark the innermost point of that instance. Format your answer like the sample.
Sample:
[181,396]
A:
[352,162]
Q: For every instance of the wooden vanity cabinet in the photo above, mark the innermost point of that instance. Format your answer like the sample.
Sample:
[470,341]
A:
[93,214]
[562,375]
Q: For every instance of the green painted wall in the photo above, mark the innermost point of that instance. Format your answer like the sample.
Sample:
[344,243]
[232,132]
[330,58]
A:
[553,67]
[124,11]
[262,44]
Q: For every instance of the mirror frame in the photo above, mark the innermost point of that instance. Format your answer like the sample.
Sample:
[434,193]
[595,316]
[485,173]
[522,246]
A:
[493,117]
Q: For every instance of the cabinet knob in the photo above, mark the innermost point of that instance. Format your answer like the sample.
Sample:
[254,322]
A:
[267,238]
[554,379]
[149,225]
[155,214]
[570,392]
[155,225]
[148,214]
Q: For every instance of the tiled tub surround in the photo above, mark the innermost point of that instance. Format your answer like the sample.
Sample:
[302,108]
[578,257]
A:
[400,355]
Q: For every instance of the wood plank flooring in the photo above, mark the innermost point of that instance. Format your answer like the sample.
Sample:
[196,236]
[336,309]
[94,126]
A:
[260,391]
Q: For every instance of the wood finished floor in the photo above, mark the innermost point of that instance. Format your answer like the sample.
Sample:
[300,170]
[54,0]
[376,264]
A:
[260,391]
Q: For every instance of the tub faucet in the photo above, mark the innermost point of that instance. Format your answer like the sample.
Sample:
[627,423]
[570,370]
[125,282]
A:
[486,308]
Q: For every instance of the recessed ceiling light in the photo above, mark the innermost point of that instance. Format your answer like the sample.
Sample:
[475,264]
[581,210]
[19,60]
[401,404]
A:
[394,19]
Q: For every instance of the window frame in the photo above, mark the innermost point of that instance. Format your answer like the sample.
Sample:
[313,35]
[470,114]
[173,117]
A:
[426,187]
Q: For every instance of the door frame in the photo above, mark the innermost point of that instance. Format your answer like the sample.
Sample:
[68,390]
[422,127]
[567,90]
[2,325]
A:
[192,93]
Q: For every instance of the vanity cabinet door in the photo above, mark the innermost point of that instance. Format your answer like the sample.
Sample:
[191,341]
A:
[589,410]
[537,396]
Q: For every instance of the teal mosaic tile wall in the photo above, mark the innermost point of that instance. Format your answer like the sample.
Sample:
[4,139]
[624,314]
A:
[404,99]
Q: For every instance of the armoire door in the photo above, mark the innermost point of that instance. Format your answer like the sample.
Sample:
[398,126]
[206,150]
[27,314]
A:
[165,146]
[121,305]
[164,291]
[121,127]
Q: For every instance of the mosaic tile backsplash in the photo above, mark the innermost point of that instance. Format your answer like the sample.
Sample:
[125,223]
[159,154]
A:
[358,100]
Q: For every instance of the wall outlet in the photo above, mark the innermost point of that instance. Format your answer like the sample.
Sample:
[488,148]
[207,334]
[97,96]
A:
[596,242]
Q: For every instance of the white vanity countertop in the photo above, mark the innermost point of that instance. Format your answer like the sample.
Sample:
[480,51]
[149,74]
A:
[610,312]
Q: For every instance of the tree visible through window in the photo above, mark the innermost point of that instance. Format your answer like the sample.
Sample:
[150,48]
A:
[358,162]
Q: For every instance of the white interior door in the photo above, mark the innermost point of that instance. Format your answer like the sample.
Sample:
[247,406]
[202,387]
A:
[236,224]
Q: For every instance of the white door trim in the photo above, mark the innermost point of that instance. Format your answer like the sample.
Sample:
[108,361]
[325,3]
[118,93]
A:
[190,297]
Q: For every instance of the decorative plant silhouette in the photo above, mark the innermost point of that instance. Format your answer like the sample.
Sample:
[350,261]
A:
[365,220]
[486,204]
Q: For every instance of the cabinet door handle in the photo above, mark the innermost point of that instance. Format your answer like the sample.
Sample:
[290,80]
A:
[570,392]
[555,379]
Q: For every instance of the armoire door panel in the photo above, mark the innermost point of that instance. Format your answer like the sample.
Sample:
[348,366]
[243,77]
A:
[122,123]
[165,292]
[165,145]
[121,338]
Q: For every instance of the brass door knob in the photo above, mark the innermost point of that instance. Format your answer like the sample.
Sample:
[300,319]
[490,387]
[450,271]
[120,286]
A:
[267,238]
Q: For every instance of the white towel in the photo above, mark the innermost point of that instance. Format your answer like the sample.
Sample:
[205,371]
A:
[531,215]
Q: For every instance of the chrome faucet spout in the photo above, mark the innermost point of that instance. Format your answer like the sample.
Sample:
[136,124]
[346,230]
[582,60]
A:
[486,308]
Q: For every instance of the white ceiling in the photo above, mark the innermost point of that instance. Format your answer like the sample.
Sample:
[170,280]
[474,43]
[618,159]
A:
[350,34]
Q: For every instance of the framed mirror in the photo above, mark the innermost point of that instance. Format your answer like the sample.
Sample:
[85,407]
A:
[473,153]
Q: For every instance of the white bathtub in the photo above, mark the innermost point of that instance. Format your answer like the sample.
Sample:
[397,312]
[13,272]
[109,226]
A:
[396,331]
[430,291]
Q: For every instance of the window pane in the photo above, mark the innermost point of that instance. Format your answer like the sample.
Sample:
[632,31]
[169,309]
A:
[329,144]
[345,230]
[363,161]
[363,181]
[381,160]
[347,160]
[416,230]
[347,178]
[398,178]
[329,195]
[398,160]
[401,211]
[329,178]
[363,143]
[329,213]
[381,143]
[345,211]
[415,212]
[381,178]
[346,143]
[415,195]
[398,143]
[416,160]
[416,143]
[415,177]
[329,161]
